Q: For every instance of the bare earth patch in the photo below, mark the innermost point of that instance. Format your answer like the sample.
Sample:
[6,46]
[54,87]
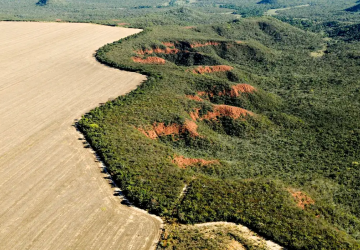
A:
[194,98]
[228,111]
[198,45]
[53,194]
[160,129]
[243,232]
[149,60]
[211,69]
[302,200]
[241,88]
[235,91]
[183,162]
[169,44]
[157,51]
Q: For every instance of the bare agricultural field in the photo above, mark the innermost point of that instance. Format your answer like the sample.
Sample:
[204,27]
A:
[52,192]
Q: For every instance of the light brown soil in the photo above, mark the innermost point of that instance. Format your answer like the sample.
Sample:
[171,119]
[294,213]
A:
[183,162]
[197,45]
[189,27]
[228,111]
[301,199]
[240,231]
[149,60]
[211,69]
[235,245]
[160,129]
[53,194]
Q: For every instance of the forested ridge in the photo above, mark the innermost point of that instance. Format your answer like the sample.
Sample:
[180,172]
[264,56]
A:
[259,131]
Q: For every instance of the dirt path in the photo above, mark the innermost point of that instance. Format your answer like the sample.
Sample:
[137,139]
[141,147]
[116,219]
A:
[245,233]
[52,192]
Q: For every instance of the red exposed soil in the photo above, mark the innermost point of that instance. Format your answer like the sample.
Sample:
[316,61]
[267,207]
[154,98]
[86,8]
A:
[195,115]
[194,98]
[241,88]
[58,20]
[144,52]
[161,129]
[201,93]
[301,199]
[166,51]
[183,162]
[158,51]
[197,45]
[228,111]
[149,60]
[221,110]
[234,92]
[211,69]
[149,133]
[191,127]
[169,44]
[123,24]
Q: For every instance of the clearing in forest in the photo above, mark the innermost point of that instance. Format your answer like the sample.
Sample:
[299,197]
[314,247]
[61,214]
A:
[53,194]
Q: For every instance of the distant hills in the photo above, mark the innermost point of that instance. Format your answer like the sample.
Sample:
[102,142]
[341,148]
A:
[268,2]
[42,2]
[355,8]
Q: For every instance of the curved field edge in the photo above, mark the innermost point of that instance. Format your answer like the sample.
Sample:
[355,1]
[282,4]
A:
[145,169]
[53,192]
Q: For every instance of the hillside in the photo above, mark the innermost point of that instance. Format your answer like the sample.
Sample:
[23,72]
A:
[256,130]
[355,8]
[347,33]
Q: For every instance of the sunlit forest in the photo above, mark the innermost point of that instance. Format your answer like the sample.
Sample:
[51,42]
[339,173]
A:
[250,114]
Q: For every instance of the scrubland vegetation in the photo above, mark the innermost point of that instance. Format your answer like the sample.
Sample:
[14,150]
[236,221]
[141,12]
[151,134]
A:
[287,166]
[256,118]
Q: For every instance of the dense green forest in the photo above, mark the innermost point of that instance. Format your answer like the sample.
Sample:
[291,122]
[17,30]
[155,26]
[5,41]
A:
[296,140]
[140,13]
[244,118]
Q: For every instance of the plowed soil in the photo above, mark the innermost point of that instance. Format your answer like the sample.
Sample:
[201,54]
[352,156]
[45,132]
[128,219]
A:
[52,192]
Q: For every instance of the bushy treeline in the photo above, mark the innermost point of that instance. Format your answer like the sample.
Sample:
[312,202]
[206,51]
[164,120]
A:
[263,206]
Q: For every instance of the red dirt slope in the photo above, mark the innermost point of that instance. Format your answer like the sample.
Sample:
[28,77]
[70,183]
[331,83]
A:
[235,91]
[149,60]
[228,111]
[161,129]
